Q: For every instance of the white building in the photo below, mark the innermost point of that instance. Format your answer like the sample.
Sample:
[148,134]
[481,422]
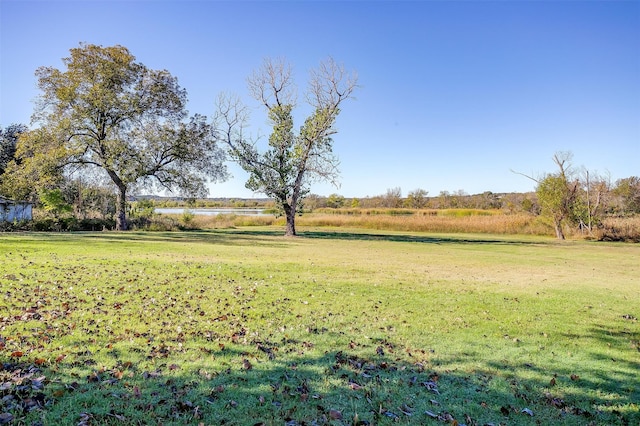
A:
[14,210]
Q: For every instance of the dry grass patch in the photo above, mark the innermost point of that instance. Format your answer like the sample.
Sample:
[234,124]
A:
[425,221]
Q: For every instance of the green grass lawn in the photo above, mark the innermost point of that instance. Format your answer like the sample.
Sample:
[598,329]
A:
[339,327]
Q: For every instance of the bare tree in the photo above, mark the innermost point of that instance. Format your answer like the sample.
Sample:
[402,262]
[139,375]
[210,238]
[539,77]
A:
[293,159]
[393,197]
[594,198]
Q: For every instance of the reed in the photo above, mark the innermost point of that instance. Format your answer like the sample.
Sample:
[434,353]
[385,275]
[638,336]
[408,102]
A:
[620,229]
[423,221]
[221,221]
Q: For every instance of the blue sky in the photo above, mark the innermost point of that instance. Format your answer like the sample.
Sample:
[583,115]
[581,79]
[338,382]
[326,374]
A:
[454,94]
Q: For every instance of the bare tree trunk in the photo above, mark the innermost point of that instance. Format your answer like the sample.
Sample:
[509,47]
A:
[290,215]
[588,202]
[558,227]
[121,209]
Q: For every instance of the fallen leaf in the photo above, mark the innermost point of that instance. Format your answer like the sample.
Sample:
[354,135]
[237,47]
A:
[575,377]
[392,415]
[527,411]
[552,382]
[432,386]
[335,414]
[5,418]
[406,410]
[354,386]
[430,414]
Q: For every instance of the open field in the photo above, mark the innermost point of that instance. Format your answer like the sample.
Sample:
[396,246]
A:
[341,326]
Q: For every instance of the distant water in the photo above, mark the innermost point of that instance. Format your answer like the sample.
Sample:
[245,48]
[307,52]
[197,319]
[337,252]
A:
[213,212]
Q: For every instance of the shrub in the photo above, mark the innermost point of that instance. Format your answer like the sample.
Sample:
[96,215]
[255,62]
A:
[619,229]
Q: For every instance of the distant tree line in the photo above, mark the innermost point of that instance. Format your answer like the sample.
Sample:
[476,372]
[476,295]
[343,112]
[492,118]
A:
[577,197]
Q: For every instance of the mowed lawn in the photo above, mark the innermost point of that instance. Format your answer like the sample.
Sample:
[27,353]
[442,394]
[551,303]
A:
[336,327]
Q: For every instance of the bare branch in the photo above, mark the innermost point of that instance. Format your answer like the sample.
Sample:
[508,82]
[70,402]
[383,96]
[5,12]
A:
[330,84]
[273,84]
[527,176]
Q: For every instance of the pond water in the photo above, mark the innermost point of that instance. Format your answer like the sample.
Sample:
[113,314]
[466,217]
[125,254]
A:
[213,212]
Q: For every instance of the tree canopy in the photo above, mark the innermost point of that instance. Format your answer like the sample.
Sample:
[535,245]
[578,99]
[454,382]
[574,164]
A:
[108,112]
[8,144]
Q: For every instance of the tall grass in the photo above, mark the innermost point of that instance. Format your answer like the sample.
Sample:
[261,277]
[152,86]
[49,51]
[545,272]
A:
[408,212]
[223,221]
[494,224]
[457,221]
[407,220]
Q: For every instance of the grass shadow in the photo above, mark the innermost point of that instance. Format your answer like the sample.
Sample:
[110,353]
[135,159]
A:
[288,383]
[413,238]
[219,237]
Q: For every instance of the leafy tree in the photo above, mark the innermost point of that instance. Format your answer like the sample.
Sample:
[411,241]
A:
[109,112]
[628,189]
[417,199]
[335,201]
[529,205]
[557,193]
[293,160]
[34,167]
[8,143]
[53,202]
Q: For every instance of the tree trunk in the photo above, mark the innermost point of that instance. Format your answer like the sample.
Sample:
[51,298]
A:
[121,209]
[290,214]
[558,227]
